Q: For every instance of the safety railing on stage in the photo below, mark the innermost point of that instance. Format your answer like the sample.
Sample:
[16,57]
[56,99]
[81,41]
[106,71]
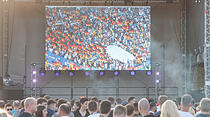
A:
[72,92]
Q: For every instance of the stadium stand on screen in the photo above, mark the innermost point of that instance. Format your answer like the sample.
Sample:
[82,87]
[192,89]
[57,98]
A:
[98,38]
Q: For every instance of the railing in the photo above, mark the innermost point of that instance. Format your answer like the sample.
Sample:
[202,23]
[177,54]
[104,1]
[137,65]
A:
[73,92]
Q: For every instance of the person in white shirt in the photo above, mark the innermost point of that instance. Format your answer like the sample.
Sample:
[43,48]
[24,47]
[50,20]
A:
[186,103]
[92,109]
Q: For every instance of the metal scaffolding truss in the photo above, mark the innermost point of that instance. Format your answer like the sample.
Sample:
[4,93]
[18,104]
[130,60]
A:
[6,31]
[207,48]
[184,43]
[4,17]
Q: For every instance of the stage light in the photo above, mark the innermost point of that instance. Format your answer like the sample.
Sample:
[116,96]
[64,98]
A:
[57,74]
[34,72]
[34,64]
[42,71]
[34,80]
[116,73]
[71,74]
[101,73]
[42,74]
[86,73]
[157,81]
[133,73]
[157,73]
[149,73]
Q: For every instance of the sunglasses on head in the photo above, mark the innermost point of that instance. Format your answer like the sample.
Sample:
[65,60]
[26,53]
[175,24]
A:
[9,109]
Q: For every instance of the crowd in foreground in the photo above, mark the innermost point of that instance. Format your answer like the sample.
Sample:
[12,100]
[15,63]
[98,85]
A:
[111,107]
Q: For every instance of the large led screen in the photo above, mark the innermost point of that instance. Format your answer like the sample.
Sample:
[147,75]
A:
[98,38]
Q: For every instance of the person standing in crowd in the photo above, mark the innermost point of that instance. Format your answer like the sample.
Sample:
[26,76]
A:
[130,110]
[41,111]
[92,108]
[192,108]
[59,102]
[136,110]
[153,108]
[76,106]
[47,97]
[30,106]
[143,107]
[119,111]
[21,109]
[51,108]
[178,103]
[150,100]
[112,100]
[131,100]
[205,108]
[2,103]
[94,98]
[169,109]
[161,100]
[8,108]
[42,101]
[186,103]
[16,105]
[105,108]
[72,102]
[82,112]
[119,100]
[64,110]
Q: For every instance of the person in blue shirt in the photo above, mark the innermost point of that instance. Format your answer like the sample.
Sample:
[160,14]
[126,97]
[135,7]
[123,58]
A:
[16,105]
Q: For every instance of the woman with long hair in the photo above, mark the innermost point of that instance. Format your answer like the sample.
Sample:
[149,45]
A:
[169,109]
[41,111]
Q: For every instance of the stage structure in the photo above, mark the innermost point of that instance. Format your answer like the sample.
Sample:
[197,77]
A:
[80,2]
[4,23]
[158,80]
[37,72]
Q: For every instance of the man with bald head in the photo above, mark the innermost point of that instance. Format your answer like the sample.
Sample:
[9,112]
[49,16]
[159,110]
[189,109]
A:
[30,106]
[143,107]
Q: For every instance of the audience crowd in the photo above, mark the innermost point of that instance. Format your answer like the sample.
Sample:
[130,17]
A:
[111,107]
